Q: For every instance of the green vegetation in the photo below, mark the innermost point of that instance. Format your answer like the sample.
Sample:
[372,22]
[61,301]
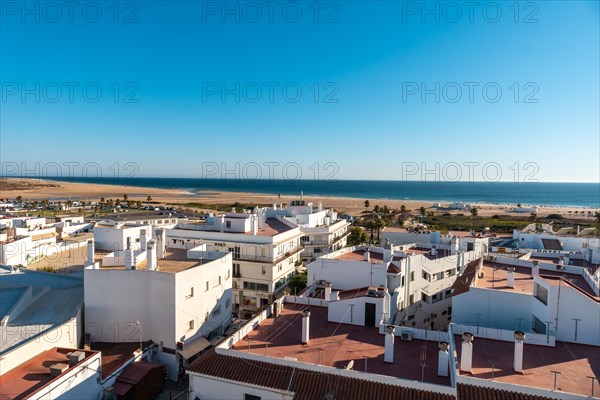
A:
[357,236]
[297,283]
[47,269]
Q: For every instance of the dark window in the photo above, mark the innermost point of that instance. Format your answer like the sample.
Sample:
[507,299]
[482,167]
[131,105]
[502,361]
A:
[538,325]
[541,293]
[228,224]
[251,397]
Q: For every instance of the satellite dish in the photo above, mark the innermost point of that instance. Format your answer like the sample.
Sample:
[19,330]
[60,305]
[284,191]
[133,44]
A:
[350,365]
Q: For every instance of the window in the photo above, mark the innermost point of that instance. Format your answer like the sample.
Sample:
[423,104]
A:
[251,397]
[216,312]
[256,286]
[236,270]
[304,239]
[449,272]
[219,279]
[425,276]
[541,293]
[228,224]
[411,299]
[264,270]
[191,325]
[207,285]
[412,277]
[538,325]
[317,250]
[402,284]
[424,297]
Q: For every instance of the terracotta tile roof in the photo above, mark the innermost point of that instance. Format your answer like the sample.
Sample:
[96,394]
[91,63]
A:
[471,392]
[304,383]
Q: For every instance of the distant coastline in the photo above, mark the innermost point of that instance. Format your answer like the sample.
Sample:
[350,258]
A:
[578,195]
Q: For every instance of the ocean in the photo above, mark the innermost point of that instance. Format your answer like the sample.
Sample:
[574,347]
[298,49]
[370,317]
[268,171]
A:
[530,193]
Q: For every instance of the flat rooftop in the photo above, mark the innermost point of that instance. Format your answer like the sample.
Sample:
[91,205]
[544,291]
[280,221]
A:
[33,375]
[493,359]
[175,261]
[115,355]
[272,227]
[358,255]
[335,345]
[495,275]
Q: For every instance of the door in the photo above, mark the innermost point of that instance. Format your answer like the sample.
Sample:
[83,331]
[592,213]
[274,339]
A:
[370,314]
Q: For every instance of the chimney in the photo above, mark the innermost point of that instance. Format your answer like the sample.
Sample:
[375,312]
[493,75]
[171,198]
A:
[510,277]
[335,296]
[443,359]
[129,258]
[151,255]
[143,240]
[519,339]
[535,269]
[261,219]
[305,326]
[274,206]
[328,291]
[433,250]
[254,222]
[320,206]
[466,354]
[90,251]
[161,243]
[388,355]
[367,256]
[222,222]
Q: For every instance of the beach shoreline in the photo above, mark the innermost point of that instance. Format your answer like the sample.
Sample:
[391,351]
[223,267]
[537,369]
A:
[38,189]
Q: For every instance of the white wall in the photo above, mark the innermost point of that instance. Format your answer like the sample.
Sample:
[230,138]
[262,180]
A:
[78,383]
[347,274]
[209,387]
[341,310]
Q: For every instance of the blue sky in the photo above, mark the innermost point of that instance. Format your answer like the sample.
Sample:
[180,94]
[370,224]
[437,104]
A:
[369,60]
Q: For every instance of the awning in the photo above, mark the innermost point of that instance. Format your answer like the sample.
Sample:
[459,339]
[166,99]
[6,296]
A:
[194,347]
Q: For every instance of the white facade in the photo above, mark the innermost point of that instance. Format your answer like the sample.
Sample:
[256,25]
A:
[173,308]
[210,387]
[113,236]
[264,258]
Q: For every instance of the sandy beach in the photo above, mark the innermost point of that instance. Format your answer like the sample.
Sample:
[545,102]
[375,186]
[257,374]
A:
[34,189]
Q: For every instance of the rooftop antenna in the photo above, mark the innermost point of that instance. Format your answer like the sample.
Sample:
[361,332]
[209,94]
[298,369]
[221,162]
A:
[350,365]
[593,378]
[556,373]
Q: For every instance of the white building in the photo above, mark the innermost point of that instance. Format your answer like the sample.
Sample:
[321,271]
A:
[38,311]
[265,252]
[114,236]
[175,297]
[414,282]
[323,231]
[559,303]
[573,243]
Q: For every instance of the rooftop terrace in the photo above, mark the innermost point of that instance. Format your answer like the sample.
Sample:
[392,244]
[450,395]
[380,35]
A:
[335,345]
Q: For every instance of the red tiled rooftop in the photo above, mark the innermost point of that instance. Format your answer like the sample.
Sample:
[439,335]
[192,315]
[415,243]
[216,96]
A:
[575,362]
[335,345]
[304,383]
[33,374]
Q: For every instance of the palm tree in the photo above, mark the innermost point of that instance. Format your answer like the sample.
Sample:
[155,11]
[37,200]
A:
[533,216]
[403,209]
[148,200]
[371,224]
[367,204]
[422,211]
[376,209]
[19,199]
[473,215]
[125,197]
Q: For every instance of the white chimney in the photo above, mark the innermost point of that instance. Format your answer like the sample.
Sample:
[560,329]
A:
[151,255]
[143,240]
[90,251]
[328,291]
[367,256]
[443,359]
[254,223]
[161,244]
[320,206]
[433,250]
[261,219]
[222,222]
[274,206]
[567,260]
[305,326]
[129,258]
[510,278]
[535,269]
[335,296]
[466,354]
[519,339]
[388,355]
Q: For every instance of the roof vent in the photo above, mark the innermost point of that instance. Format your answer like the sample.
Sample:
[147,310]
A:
[58,368]
[75,357]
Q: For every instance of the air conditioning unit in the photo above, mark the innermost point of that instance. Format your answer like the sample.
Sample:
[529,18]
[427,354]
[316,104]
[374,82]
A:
[408,336]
